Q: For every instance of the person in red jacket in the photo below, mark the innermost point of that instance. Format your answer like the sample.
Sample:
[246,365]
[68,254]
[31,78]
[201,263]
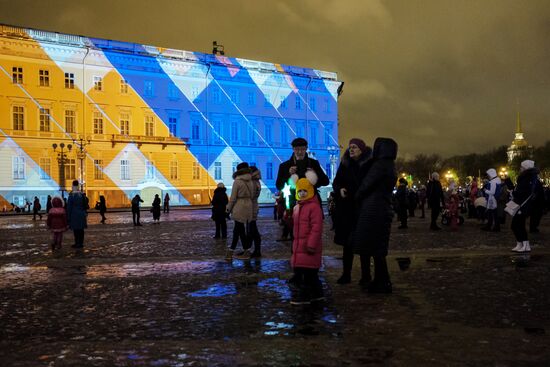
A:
[307,246]
[57,222]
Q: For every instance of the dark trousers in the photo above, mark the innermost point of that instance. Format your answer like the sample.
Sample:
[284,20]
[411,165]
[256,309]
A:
[492,220]
[221,227]
[309,282]
[287,231]
[239,231]
[534,219]
[102,217]
[402,216]
[347,260]
[422,210]
[166,208]
[78,237]
[254,236]
[135,217]
[435,214]
[518,227]
[381,274]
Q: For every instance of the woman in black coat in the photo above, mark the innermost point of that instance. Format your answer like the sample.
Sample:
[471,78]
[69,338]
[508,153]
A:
[102,207]
[372,232]
[345,185]
[524,194]
[219,205]
[156,208]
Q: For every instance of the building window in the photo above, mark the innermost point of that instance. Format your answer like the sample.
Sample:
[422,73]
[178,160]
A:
[269,171]
[217,131]
[44,78]
[312,104]
[267,103]
[252,133]
[251,98]
[148,88]
[149,170]
[124,169]
[172,91]
[327,105]
[173,125]
[234,166]
[18,168]
[283,102]
[98,83]
[98,123]
[298,102]
[235,131]
[125,123]
[284,133]
[18,118]
[70,169]
[234,96]
[123,86]
[45,168]
[173,170]
[194,94]
[44,119]
[313,136]
[149,126]
[69,80]
[327,136]
[300,131]
[17,75]
[195,130]
[268,133]
[328,170]
[196,171]
[70,121]
[216,96]
[217,170]
[98,169]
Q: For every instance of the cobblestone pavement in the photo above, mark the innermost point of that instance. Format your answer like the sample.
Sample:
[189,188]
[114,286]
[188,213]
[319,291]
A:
[162,295]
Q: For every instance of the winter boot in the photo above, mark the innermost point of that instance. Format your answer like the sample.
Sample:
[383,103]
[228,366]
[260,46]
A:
[229,254]
[245,255]
[519,247]
[526,247]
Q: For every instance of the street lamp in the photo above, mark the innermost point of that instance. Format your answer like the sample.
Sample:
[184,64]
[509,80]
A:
[61,159]
[81,155]
[503,172]
[333,156]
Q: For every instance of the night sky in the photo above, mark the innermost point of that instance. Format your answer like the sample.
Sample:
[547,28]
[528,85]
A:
[438,76]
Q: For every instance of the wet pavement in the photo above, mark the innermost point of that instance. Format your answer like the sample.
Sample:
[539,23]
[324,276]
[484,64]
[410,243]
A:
[162,295]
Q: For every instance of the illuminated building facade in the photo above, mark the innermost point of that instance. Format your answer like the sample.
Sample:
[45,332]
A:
[148,120]
[519,147]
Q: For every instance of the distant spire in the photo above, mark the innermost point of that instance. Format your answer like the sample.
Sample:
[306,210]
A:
[518,122]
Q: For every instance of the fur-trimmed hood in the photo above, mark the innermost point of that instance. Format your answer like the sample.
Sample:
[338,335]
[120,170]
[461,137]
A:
[242,172]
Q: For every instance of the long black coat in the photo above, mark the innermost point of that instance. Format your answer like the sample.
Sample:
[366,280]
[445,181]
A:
[372,233]
[527,184]
[302,166]
[219,204]
[434,193]
[349,175]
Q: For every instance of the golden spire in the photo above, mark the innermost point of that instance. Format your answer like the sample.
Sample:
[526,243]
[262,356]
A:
[518,125]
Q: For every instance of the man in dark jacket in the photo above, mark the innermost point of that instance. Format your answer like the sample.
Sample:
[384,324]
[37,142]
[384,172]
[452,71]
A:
[299,166]
[219,205]
[434,194]
[401,198]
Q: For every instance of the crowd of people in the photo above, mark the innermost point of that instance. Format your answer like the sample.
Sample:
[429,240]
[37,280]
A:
[366,195]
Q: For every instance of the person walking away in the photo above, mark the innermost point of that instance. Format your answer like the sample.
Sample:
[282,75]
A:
[57,222]
[166,206]
[436,201]
[299,165]
[48,204]
[155,209]
[422,200]
[353,166]
[412,202]
[77,215]
[491,191]
[372,233]
[255,238]
[523,195]
[36,207]
[135,210]
[102,207]
[307,246]
[219,215]
[401,197]
[240,207]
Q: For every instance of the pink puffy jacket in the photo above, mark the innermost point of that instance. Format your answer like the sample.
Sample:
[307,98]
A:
[308,228]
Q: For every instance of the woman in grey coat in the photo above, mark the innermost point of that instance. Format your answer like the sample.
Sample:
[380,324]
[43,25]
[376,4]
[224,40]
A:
[77,214]
[241,208]
[372,233]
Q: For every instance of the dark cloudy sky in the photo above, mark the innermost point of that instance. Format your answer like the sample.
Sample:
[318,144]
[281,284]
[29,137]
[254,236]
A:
[438,76]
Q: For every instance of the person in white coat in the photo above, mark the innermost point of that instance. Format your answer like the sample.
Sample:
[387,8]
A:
[491,191]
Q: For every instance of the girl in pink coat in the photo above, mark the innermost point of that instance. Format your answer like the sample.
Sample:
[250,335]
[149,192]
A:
[57,222]
[307,246]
